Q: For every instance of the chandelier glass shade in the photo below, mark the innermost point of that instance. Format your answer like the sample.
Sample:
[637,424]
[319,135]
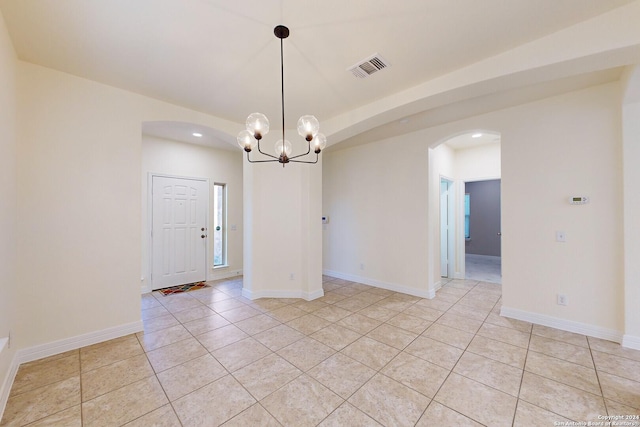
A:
[257,126]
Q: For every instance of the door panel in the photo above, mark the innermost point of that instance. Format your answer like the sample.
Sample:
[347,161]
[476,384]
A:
[447,228]
[179,213]
[444,228]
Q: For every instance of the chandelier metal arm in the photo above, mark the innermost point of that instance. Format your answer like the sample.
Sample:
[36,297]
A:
[266,154]
[300,155]
[304,161]
[259,161]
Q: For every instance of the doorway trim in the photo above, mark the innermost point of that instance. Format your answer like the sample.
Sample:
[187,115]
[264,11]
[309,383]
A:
[448,244]
[148,232]
[437,169]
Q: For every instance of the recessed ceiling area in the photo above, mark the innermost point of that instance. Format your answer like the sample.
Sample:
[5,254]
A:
[184,132]
[221,58]
[473,139]
[451,111]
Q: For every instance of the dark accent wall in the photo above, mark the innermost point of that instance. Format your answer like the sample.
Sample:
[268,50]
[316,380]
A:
[484,218]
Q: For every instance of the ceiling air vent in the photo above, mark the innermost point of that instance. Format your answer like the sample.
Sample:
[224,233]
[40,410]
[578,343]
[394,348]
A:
[368,66]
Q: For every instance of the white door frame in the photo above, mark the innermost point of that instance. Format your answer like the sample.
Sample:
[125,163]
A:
[460,241]
[150,177]
[451,226]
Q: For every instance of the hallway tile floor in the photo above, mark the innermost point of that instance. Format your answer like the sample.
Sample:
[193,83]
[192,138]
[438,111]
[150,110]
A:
[359,356]
[483,268]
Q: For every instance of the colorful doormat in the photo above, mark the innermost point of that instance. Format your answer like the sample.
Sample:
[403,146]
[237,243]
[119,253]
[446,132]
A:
[183,288]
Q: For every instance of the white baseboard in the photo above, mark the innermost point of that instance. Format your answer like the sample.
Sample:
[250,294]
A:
[56,347]
[493,258]
[562,324]
[6,385]
[223,273]
[308,296]
[630,341]
[422,293]
[437,286]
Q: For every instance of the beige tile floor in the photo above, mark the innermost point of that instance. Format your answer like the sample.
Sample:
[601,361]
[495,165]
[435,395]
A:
[359,356]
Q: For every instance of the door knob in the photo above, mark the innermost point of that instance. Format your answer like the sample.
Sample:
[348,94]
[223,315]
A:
[499,233]
[203,236]
[202,229]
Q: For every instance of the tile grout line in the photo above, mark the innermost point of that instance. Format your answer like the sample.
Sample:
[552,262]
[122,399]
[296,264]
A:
[292,303]
[595,368]
[433,399]
[159,382]
[156,372]
[228,373]
[524,366]
[258,401]
[378,371]
[361,335]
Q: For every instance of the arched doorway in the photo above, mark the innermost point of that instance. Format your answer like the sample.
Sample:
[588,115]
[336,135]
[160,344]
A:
[469,224]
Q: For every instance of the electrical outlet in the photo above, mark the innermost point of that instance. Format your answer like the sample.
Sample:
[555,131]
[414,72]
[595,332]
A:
[562,299]
[561,236]
[361,266]
[291,276]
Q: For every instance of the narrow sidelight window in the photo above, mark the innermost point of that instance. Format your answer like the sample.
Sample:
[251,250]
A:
[219,225]
[467,212]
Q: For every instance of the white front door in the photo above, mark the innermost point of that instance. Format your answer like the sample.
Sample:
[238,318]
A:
[179,231]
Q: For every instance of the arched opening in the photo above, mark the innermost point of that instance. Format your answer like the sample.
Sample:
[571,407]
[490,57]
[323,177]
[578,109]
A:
[467,168]
[209,163]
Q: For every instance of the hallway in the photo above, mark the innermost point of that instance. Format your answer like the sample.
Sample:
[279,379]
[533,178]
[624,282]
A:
[483,268]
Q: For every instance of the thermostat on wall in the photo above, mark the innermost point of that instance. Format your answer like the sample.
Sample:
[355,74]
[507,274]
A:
[578,200]
[325,220]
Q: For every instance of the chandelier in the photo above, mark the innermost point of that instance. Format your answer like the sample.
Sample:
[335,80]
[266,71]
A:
[258,127]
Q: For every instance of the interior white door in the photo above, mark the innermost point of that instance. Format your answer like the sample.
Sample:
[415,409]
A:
[179,231]
[444,228]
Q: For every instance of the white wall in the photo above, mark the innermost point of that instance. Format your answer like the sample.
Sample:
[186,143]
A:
[282,240]
[162,156]
[8,209]
[551,149]
[478,163]
[444,164]
[631,174]
[376,199]
[79,206]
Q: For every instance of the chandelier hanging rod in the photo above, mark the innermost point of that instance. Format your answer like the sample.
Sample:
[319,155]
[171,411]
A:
[258,125]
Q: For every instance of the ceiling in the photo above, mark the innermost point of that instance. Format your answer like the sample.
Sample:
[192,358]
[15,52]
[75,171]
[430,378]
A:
[473,139]
[221,57]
